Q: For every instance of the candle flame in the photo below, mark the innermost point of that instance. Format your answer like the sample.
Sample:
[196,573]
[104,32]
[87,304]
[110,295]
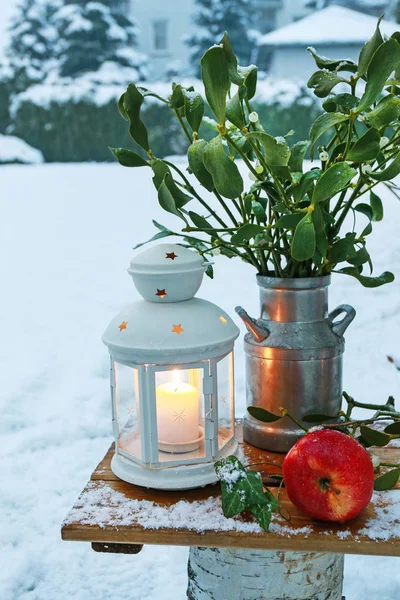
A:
[176,379]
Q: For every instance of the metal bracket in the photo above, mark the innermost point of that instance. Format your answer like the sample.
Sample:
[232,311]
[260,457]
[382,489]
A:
[117,548]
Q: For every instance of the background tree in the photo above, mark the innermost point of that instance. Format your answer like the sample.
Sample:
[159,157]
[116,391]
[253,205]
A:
[31,48]
[90,34]
[213,18]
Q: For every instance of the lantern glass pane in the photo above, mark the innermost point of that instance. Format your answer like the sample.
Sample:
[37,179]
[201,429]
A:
[180,414]
[126,396]
[226,414]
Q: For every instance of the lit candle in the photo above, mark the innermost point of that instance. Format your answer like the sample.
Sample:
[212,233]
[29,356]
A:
[177,412]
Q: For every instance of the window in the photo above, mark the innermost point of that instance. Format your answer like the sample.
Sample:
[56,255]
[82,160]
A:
[160,34]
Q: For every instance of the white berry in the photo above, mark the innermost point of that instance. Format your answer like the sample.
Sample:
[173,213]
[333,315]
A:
[366,169]
[361,118]
[259,169]
[384,141]
[216,251]
[323,156]
[253,116]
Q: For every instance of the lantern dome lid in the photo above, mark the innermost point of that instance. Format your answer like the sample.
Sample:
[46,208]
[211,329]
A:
[167,273]
[173,333]
[166,258]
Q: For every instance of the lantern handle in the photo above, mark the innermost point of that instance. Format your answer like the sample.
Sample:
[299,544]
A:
[339,327]
[260,334]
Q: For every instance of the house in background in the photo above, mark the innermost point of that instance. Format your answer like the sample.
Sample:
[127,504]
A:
[335,31]
[164,24]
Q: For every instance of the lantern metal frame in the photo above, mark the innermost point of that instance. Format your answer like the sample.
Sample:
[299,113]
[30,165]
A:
[150,470]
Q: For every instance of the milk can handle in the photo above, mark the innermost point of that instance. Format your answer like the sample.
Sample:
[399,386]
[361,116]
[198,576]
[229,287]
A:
[339,327]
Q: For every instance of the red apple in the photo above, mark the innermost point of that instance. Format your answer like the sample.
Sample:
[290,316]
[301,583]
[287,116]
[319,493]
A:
[329,475]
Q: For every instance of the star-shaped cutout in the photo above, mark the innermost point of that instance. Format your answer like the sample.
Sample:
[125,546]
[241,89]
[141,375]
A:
[171,255]
[123,325]
[177,329]
[179,416]
[161,293]
[222,319]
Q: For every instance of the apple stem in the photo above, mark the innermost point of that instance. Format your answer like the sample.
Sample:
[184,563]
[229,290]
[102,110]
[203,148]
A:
[286,413]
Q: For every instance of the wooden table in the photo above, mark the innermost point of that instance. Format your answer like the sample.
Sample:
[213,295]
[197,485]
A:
[117,516]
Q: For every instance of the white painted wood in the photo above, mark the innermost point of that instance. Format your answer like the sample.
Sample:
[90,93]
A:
[237,574]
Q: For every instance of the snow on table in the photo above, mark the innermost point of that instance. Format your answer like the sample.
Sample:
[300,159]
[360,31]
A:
[112,511]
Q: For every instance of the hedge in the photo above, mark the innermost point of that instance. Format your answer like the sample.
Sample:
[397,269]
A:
[77,129]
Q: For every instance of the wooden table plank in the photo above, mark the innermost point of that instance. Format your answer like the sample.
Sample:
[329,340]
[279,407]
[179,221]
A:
[112,511]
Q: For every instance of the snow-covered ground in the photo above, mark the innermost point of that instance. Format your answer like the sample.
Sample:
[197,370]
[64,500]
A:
[66,235]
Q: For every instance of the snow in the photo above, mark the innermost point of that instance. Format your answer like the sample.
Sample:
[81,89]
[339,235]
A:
[13,149]
[66,238]
[332,25]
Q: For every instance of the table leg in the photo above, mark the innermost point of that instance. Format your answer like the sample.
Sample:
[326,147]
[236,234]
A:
[237,574]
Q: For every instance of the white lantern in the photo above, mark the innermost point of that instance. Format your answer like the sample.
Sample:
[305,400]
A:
[172,376]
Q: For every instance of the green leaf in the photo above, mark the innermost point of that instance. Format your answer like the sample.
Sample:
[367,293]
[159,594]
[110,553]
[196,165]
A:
[393,428]
[332,181]
[177,99]
[234,75]
[289,221]
[160,170]
[345,100]
[383,63]
[233,478]
[386,111]
[254,488]
[166,199]
[128,158]
[262,415]
[199,221]
[332,64]
[364,209]
[366,147]
[306,185]
[362,256]
[367,230]
[322,82]
[121,108]
[304,239]
[246,233]
[390,172]
[297,154]
[234,111]
[196,164]
[226,177]
[215,76]
[369,50]
[158,236]
[272,501]
[317,418]
[258,210]
[132,102]
[368,282]
[342,250]
[321,238]
[250,79]
[194,109]
[322,124]
[263,515]
[277,152]
[387,481]
[374,437]
[210,272]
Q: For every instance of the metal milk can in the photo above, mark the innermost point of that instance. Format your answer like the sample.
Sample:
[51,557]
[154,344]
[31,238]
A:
[294,355]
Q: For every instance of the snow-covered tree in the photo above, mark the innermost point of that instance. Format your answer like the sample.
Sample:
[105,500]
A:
[32,39]
[92,33]
[213,18]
